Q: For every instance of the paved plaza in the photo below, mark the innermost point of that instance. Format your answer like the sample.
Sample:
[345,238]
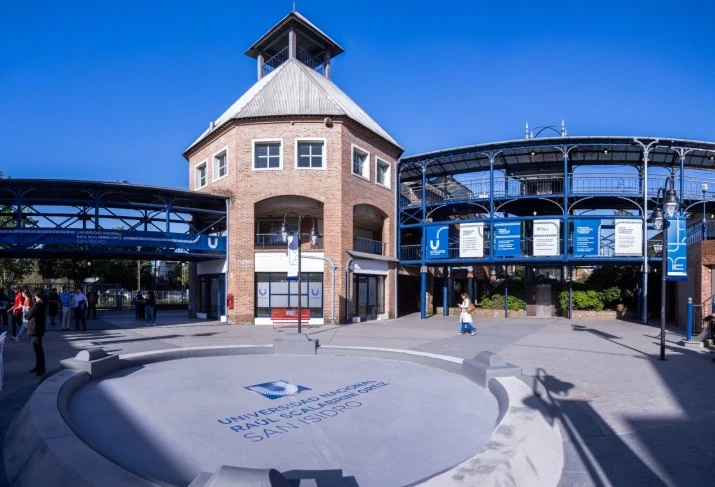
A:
[627,418]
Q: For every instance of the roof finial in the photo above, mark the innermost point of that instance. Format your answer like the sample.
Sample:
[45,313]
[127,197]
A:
[563,128]
[526,131]
[293,5]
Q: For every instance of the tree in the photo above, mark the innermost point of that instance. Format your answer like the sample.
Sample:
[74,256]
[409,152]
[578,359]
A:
[12,271]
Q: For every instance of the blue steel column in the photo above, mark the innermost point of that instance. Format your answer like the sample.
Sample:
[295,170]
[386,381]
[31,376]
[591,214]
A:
[423,256]
[445,293]
[566,205]
[491,207]
[682,184]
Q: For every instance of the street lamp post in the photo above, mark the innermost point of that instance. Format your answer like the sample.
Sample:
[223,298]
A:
[704,189]
[666,208]
[313,235]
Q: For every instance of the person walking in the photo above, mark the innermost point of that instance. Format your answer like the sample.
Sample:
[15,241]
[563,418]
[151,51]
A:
[53,301]
[4,299]
[139,304]
[66,303]
[465,317]
[27,302]
[149,309]
[79,305]
[92,298]
[36,330]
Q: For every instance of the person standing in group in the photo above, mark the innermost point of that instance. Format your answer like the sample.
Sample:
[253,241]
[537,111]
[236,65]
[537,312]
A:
[139,304]
[79,305]
[92,298]
[149,309]
[66,302]
[27,302]
[3,307]
[53,301]
[465,317]
[16,311]
[36,330]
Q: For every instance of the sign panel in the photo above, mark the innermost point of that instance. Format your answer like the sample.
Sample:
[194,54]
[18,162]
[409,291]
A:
[629,238]
[586,238]
[471,240]
[507,239]
[546,238]
[111,238]
[292,253]
[438,242]
[676,267]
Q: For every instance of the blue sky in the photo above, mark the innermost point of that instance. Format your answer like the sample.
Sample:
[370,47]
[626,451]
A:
[116,91]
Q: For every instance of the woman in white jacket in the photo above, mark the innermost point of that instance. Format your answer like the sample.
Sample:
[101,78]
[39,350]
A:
[465,318]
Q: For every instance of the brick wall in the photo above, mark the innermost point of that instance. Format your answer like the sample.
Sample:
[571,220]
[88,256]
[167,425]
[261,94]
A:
[336,189]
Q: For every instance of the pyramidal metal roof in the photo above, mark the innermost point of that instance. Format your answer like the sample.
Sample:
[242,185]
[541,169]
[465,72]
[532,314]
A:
[294,89]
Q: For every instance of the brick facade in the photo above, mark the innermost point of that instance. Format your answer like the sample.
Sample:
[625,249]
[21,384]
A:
[335,188]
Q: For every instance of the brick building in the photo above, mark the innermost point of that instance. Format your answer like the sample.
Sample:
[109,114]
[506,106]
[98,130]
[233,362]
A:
[296,145]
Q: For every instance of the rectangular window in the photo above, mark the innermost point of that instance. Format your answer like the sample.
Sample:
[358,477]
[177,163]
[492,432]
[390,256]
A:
[200,175]
[220,166]
[275,291]
[310,154]
[267,155]
[382,173]
[361,163]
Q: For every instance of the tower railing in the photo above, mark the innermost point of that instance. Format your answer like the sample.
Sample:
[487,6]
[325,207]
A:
[311,61]
[272,63]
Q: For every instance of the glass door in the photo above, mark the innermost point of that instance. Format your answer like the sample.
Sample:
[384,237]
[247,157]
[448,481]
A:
[369,296]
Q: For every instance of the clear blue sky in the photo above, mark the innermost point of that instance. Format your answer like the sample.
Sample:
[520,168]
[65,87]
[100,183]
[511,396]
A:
[113,91]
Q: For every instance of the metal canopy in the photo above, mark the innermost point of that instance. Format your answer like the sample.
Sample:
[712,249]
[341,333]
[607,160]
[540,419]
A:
[546,154]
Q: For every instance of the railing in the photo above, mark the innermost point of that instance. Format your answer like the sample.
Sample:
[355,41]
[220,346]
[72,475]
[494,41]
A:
[513,187]
[275,241]
[275,61]
[368,246]
[311,61]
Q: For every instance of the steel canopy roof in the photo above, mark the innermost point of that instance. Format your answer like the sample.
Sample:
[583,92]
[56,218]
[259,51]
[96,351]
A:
[546,155]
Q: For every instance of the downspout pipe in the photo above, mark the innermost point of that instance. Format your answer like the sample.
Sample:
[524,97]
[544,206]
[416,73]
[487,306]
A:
[348,263]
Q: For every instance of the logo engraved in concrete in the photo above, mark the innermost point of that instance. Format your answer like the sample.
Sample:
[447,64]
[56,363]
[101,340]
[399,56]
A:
[276,389]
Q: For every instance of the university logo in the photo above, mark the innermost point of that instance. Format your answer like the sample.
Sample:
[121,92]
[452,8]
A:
[276,389]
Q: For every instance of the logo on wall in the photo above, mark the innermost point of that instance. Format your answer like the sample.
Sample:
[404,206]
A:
[437,242]
[276,389]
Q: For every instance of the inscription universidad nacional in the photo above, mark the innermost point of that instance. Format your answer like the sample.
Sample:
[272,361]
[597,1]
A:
[264,424]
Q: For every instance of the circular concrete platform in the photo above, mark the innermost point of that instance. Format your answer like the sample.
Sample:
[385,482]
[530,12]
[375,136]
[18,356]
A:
[381,422]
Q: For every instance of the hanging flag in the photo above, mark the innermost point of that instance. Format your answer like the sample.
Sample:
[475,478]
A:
[292,252]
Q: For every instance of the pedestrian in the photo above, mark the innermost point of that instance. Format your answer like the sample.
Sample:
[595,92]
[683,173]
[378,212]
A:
[149,308]
[16,311]
[79,305]
[139,306]
[4,299]
[36,330]
[66,303]
[27,302]
[465,317]
[92,299]
[53,301]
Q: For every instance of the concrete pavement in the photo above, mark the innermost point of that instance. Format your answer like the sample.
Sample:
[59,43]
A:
[628,418]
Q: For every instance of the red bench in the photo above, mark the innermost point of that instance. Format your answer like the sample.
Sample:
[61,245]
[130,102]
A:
[290,315]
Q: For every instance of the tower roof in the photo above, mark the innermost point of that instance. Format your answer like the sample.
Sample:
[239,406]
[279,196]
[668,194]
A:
[293,89]
[314,37]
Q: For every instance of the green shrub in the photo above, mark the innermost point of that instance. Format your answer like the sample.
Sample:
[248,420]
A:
[496,301]
[587,300]
[610,296]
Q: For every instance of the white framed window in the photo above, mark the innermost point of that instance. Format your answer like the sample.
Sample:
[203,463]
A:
[382,172]
[267,154]
[200,175]
[361,162]
[220,164]
[310,153]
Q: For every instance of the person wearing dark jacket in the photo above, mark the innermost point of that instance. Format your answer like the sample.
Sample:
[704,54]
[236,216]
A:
[36,330]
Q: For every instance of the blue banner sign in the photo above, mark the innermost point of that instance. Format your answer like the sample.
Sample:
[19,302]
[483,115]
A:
[677,265]
[111,238]
[507,239]
[586,238]
[437,242]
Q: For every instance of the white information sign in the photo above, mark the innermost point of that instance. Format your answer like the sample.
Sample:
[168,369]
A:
[629,237]
[293,243]
[546,238]
[471,240]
